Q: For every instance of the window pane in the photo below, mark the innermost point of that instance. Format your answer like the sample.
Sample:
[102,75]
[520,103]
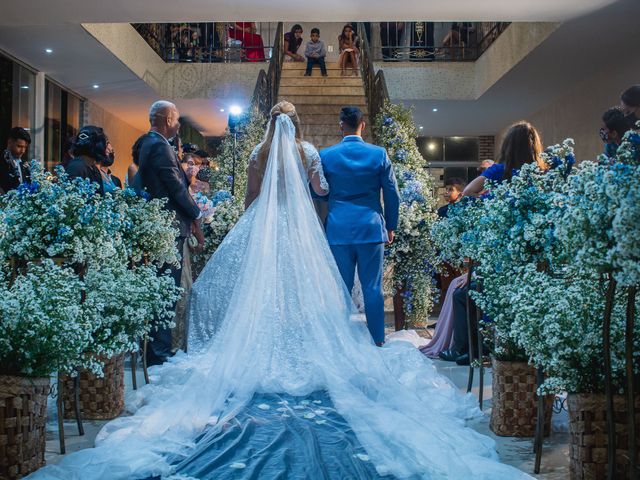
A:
[53,125]
[461,149]
[431,148]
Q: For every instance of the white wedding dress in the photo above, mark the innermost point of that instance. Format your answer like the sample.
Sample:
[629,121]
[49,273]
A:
[282,382]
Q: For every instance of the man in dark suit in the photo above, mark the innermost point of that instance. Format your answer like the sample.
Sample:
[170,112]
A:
[161,176]
[13,171]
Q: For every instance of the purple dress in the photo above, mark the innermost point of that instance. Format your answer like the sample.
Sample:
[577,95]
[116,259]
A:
[443,337]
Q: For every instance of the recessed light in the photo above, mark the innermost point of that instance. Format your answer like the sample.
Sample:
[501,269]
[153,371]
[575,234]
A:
[431,146]
[435,110]
[48,50]
[420,127]
[96,86]
[25,87]
[222,109]
[235,110]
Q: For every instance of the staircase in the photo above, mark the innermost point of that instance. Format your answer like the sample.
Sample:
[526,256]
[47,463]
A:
[318,101]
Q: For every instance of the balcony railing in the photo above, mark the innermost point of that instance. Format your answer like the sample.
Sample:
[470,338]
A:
[433,41]
[231,42]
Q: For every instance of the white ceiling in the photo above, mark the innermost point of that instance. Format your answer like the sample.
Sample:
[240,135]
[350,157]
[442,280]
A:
[46,12]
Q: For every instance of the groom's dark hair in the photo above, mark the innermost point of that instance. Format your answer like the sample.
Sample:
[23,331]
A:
[351,117]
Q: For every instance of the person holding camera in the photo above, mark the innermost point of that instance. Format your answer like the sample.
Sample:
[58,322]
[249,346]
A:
[13,170]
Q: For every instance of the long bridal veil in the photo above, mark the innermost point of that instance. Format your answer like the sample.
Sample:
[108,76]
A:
[271,319]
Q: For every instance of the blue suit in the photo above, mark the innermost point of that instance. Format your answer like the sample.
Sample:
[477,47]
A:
[358,174]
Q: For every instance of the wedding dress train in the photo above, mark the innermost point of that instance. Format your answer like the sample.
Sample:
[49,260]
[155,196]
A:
[282,382]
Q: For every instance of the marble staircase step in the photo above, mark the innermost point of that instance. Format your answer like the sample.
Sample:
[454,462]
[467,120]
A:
[321,90]
[325,101]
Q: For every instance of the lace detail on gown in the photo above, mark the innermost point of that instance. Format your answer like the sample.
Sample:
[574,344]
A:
[315,164]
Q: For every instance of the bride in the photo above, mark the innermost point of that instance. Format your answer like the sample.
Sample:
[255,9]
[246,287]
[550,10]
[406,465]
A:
[282,381]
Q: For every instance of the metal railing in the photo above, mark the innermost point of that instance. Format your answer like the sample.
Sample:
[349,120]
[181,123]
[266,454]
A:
[230,42]
[375,86]
[265,92]
[435,41]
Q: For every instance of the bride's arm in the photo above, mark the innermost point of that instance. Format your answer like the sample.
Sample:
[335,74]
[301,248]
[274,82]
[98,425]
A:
[253,185]
[316,174]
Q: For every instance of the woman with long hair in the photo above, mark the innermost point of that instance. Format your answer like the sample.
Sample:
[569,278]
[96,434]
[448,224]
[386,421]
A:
[349,52]
[292,42]
[521,145]
[260,155]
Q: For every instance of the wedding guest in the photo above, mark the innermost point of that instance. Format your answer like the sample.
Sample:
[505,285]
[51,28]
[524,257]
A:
[201,183]
[252,45]
[13,170]
[443,337]
[484,165]
[176,145]
[614,126]
[630,105]
[89,150]
[109,181]
[315,53]
[195,243]
[135,159]
[453,188]
[292,42]
[349,52]
[161,175]
[521,145]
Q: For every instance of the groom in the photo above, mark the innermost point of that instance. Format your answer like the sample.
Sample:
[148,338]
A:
[357,228]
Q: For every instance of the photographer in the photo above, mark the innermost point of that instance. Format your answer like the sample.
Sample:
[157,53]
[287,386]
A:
[13,170]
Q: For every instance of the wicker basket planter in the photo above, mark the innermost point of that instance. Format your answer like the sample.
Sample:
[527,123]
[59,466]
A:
[23,414]
[515,403]
[588,430]
[100,398]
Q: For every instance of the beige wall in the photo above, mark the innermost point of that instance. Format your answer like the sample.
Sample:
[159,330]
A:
[121,135]
[577,113]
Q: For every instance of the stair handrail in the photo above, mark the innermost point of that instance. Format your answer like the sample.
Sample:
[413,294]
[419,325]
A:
[265,92]
[375,85]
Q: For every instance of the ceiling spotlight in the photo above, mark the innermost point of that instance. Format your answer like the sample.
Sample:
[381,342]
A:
[420,127]
[235,110]
[435,110]
[222,109]
[25,87]
[96,86]
[431,146]
[48,50]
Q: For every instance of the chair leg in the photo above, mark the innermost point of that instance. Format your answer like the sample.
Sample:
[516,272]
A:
[60,405]
[539,434]
[480,359]
[76,404]
[144,361]
[470,329]
[134,379]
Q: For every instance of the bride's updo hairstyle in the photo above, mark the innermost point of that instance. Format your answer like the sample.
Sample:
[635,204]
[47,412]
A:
[280,108]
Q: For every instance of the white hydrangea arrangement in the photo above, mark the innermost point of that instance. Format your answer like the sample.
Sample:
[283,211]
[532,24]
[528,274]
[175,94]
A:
[147,231]
[52,217]
[102,240]
[120,302]
[42,328]
[602,213]
[559,321]
[412,256]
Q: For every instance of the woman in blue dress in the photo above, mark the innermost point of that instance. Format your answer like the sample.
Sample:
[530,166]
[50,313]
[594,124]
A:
[521,145]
